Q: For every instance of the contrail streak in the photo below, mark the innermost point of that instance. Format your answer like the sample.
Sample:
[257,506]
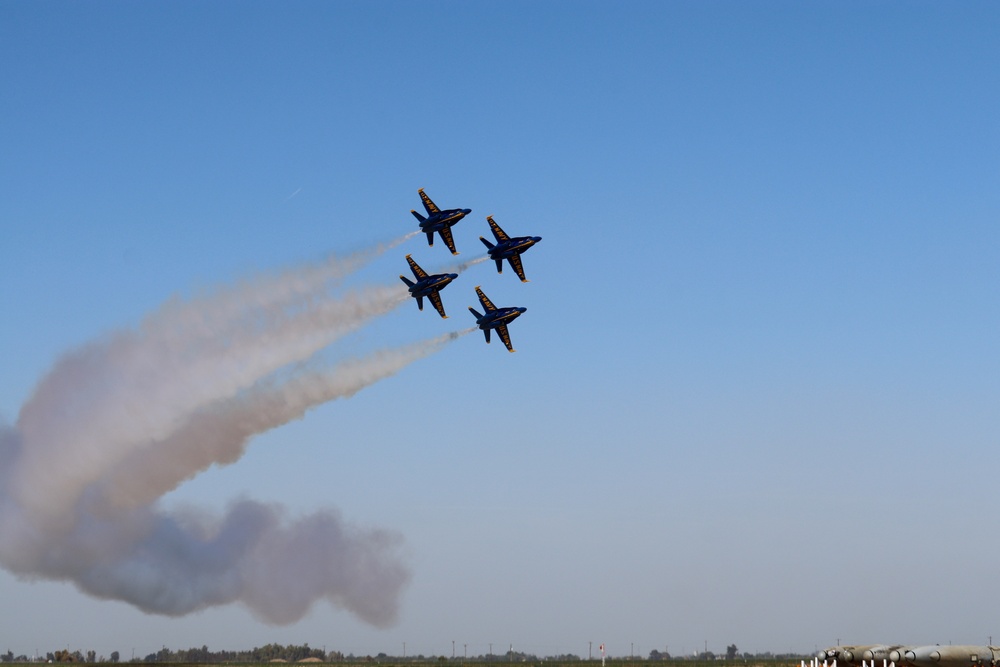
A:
[121,421]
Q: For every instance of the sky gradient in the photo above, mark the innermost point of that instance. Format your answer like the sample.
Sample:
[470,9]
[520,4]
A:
[756,389]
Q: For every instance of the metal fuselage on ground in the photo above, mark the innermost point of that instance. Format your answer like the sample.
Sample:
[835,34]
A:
[439,221]
[879,653]
[846,655]
[958,655]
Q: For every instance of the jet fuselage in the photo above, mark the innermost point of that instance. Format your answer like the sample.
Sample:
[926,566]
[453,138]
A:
[498,317]
[435,283]
[508,248]
[427,285]
[438,221]
[514,246]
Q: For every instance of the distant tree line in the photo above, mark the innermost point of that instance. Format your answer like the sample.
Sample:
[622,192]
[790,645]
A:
[291,653]
[269,653]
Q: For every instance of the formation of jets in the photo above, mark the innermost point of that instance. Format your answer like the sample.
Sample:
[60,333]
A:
[430,286]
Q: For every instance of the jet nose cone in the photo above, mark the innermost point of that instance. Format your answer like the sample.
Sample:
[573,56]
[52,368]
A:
[452,276]
[522,310]
[466,211]
[536,239]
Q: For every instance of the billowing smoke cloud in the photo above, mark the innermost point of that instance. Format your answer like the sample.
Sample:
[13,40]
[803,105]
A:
[121,421]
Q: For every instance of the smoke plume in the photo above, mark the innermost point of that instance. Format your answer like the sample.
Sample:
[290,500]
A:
[123,420]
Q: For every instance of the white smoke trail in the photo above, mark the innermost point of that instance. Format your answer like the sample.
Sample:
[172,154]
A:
[220,433]
[118,423]
[463,266]
[134,388]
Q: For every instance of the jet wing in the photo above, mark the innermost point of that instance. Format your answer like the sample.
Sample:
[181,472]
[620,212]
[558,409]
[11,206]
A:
[419,273]
[430,206]
[505,336]
[500,234]
[515,263]
[435,298]
[448,239]
[485,300]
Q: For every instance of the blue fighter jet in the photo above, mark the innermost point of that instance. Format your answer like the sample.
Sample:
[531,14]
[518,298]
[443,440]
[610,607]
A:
[429,286]
[508,248]
[495,318]
[439,221]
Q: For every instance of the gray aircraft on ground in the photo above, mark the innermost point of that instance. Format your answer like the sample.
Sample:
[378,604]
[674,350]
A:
[936,655]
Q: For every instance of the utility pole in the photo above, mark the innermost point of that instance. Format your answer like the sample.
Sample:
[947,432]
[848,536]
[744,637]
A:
[452,649]
[590,650]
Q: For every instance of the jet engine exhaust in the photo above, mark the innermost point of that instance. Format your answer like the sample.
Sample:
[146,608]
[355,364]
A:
[121,421]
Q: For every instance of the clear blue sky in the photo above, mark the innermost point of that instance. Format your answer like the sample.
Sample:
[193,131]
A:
[755,398]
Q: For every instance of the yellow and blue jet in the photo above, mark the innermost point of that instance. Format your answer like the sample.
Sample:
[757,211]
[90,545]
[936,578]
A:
[495,318]
[429,286]
[439,221]
[508,248]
